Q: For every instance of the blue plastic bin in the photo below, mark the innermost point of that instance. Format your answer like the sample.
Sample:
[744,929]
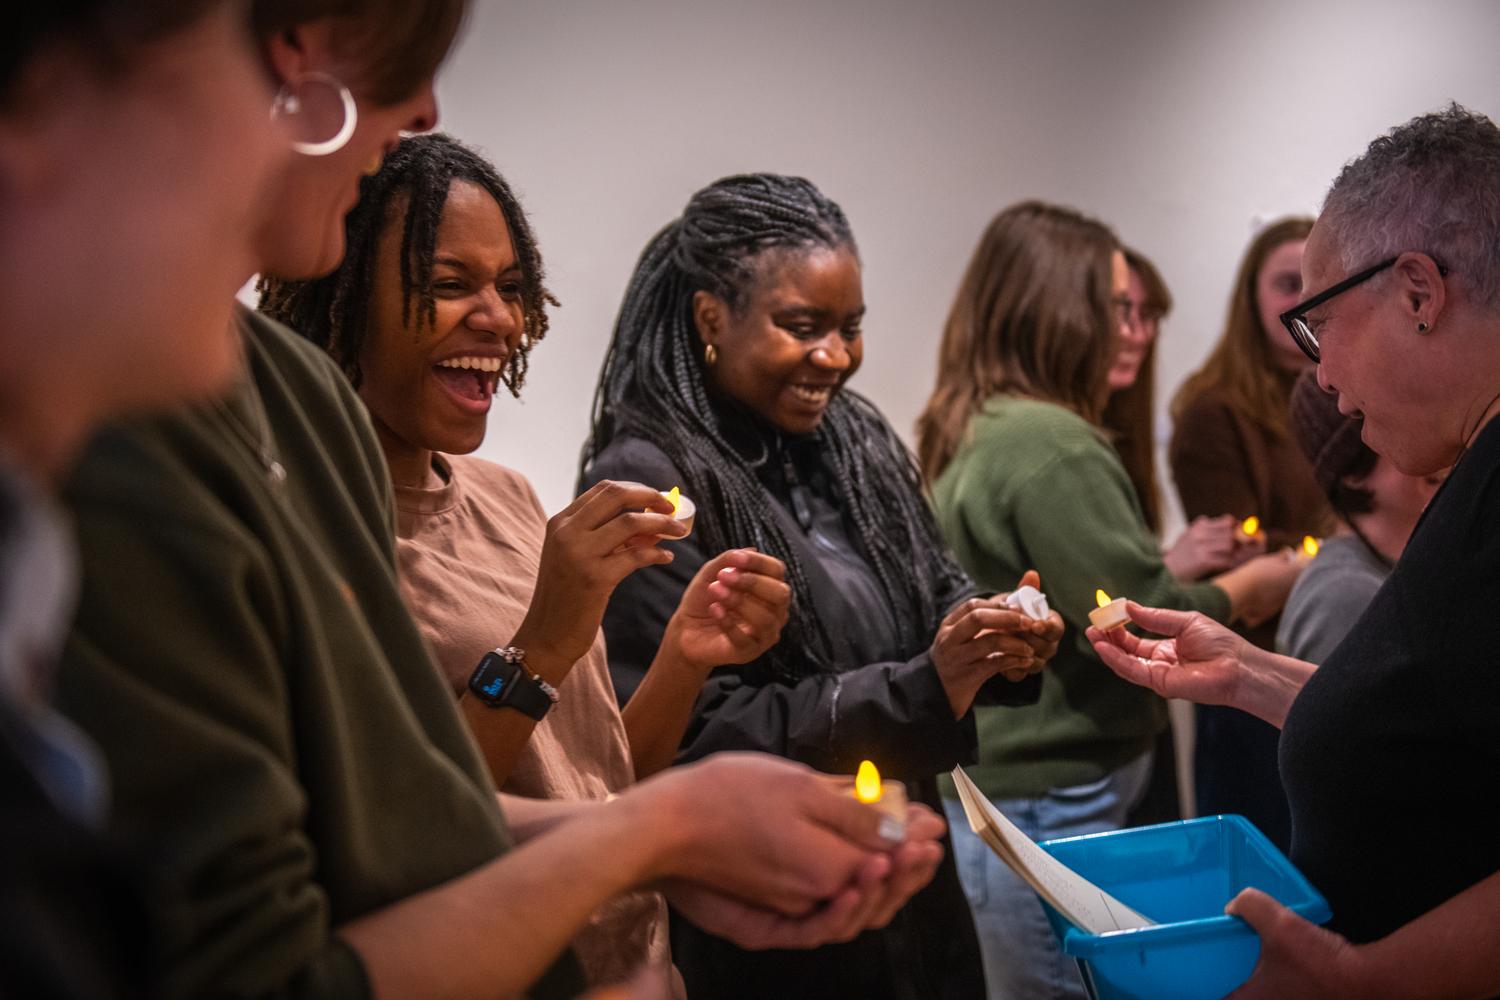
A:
[1181,875]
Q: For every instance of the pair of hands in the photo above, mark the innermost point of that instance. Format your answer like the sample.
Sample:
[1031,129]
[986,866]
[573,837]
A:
[982,637]
[1212,545]
[732,611]
[771,854]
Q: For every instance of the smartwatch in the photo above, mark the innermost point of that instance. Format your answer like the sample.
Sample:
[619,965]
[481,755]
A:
[502,681]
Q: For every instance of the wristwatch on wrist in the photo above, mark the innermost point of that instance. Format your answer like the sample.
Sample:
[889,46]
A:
[502,680]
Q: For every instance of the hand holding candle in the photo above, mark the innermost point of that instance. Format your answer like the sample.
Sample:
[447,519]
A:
[1110,614]
[888,798]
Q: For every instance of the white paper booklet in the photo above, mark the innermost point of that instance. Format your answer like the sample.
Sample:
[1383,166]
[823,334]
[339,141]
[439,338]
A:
[1075,897]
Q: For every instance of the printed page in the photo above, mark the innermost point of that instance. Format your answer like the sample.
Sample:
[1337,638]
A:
[1075,897]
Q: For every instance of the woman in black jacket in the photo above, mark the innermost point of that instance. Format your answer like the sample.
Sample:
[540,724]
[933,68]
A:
[725,376]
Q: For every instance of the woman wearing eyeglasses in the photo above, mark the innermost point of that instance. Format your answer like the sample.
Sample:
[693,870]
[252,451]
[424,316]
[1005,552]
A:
[1389,748]
[1232,453]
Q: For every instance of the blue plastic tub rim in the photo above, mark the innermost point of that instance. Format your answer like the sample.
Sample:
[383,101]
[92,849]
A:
[1310,906]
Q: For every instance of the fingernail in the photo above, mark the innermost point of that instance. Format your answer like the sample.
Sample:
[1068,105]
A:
[892,829]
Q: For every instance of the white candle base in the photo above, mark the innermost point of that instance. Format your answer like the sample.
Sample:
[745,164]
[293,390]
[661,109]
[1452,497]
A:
[686,511]
[892,809]
[1111,616]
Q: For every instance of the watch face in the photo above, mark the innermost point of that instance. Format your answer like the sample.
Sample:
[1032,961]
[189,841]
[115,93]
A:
[494,687]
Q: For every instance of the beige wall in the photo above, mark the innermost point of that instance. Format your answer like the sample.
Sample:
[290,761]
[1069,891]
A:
[1179,123]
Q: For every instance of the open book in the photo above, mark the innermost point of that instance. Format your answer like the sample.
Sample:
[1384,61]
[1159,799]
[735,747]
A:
[1082,902]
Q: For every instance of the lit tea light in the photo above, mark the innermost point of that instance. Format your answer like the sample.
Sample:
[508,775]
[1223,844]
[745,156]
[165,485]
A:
[682,508]
[1310,547]
[1251,527]
[1110,614]
[888,798]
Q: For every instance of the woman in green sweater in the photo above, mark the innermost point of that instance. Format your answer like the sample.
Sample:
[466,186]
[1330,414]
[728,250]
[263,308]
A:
[1023,477]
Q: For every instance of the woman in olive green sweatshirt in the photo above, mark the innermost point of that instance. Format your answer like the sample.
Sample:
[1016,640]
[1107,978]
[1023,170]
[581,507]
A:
[1023,477]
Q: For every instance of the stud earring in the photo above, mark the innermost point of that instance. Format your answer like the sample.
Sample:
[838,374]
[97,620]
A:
[710,355]
[1421,327]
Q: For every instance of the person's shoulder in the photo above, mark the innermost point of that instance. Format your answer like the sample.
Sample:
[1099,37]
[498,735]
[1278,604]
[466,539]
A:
[631,459]
[1343,572]
[1011,422]
[293,356]
[1208,402]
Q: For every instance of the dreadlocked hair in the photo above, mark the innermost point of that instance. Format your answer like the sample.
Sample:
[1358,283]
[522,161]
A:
[653,387]
[334,311]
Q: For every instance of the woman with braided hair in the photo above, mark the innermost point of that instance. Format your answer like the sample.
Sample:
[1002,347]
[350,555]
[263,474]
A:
[725,376]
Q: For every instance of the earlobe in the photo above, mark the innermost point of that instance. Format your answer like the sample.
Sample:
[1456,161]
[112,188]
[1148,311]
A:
[708,316]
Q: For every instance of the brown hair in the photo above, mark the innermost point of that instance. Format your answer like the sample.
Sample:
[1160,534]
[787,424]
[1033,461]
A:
[1130,415]
[1032,318]
[1241,366]
[107,33]
[398,44]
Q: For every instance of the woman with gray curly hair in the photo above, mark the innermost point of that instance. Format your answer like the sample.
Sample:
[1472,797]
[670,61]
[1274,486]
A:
[1388,747]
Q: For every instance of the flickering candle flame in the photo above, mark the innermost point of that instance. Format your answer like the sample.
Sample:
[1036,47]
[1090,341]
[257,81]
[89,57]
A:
[867,783]
[674,497]
[1309,546]
[1101,598]
[888,798]
[1251,526]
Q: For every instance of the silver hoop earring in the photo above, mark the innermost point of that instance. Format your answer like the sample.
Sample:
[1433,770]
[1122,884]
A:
[287,103]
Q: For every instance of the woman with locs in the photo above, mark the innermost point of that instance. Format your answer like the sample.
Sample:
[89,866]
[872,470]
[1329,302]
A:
[727,376]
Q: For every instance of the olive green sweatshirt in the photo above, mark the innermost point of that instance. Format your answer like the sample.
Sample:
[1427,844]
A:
[1035,486]
[285,755]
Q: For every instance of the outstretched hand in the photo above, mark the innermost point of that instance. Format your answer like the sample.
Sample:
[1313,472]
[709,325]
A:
[1198,659]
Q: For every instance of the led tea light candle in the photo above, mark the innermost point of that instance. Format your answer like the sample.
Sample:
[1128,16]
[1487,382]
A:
[1251,527]
[682,508]
[1109,614]
[888,798]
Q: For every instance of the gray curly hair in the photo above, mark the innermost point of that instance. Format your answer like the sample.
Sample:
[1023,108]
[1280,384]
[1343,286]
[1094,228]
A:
[1432,185]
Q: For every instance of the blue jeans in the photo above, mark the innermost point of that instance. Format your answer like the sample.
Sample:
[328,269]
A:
[1022,960]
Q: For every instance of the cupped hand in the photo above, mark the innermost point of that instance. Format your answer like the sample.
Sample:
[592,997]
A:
[591,545]
[733,610]
[1198,659]
[880,887]
[770,832]
[983,637]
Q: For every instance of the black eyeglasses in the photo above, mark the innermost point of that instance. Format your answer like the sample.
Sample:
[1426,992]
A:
[1295,319]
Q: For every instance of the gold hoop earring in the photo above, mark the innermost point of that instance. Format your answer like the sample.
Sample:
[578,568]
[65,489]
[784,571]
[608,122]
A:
[710,355]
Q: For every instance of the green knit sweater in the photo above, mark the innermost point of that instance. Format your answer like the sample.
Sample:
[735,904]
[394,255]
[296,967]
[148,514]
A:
[1035,486]
[284,753]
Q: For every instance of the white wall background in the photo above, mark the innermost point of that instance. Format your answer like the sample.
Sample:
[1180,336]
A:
[1178,122]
